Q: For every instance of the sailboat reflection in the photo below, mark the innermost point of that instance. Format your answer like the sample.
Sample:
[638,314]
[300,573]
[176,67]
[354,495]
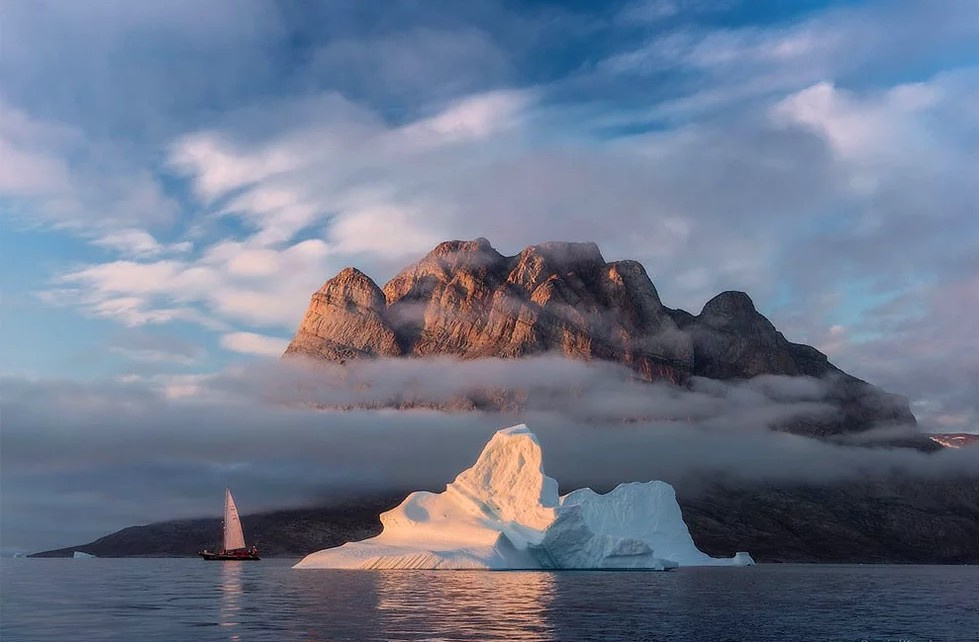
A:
[231,592]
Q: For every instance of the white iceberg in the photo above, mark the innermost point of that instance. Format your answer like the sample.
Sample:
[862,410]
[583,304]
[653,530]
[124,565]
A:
[504,513]
[79,555]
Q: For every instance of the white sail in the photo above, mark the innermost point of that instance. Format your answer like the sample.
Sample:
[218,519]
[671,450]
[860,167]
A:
[233,537]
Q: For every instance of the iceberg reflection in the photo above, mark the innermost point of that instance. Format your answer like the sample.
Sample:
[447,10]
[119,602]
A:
[464,605]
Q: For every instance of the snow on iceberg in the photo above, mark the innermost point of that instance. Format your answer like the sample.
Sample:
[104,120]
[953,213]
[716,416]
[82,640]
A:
[505,513]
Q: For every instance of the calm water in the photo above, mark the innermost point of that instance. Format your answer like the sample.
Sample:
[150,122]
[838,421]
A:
[103,599]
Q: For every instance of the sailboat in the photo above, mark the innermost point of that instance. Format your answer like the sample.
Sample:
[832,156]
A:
[234,539]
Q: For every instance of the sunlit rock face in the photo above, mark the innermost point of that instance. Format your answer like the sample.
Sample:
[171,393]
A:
[505,513]
[466,300]
[345,320]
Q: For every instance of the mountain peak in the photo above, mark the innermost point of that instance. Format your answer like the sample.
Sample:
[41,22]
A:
[563,256]
[454,254]
[345,320]
[729,306]
[464,299]
[465,247]
[352,287]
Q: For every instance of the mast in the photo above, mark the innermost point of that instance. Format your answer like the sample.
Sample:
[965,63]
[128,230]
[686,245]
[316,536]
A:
[233,536]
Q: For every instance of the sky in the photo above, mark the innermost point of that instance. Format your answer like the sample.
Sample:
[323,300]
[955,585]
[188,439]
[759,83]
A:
[177,178]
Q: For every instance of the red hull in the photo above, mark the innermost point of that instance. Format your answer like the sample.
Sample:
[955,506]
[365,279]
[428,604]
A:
[239,555]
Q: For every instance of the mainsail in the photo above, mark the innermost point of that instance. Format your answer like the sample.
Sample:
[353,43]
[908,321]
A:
[233,537]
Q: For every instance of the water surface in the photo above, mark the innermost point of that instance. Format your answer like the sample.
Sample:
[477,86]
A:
[189,599]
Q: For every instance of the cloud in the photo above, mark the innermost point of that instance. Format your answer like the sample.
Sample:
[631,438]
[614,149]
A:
[100,65]
[385,194]
[929,328]
[587,391]
[232,281]
[880,131]
[825,193]
[341,162]
[422,62]
[103,455]
[898,257]
[255,344]
[53,172]
[728,66]
[134,242]
[473,118]
[146,347]
[153,356]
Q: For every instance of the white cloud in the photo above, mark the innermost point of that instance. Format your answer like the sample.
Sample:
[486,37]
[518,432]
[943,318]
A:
[254,344]
[416,65]
[55,173]
[875,129]
[135,312]
[797,181]
[383,198]
[136,242]
[735,67]
[340,161]
[384,231]
[470,119]
[233,282]
[147,355]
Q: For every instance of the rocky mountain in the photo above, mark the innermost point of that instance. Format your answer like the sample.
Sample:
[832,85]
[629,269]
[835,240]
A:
[465,299]
[893,520]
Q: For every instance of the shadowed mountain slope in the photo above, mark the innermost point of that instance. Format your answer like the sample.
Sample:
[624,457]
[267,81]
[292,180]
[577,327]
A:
[895,520]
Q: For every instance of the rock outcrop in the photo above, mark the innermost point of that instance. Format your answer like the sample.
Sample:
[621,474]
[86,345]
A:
[346,319]
[732,340]
[465,299]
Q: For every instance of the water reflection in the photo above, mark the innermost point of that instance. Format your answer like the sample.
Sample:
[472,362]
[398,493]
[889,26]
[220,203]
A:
[229,614]
[185,600]
[461,605]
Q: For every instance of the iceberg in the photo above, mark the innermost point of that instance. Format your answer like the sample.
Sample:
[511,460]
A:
[79,555]
[504,513]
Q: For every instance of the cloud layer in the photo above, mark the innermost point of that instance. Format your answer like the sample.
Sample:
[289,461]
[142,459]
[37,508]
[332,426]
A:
[103,456]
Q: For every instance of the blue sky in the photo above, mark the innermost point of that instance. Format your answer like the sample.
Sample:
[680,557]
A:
[179,177]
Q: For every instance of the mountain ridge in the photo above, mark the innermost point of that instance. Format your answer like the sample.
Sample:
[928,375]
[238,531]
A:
[918,520]
[466,300]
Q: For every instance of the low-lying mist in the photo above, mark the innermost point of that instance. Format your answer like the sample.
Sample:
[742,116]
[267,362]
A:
[82,459]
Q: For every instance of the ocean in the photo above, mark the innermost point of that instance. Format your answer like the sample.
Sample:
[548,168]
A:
[189,599]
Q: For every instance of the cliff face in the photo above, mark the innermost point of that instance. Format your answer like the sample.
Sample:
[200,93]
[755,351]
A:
[346,319]
[467,300]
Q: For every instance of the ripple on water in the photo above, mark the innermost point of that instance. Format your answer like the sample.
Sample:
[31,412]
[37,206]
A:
[195,600]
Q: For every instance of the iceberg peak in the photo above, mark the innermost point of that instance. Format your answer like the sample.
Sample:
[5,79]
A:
[504,512]
[508,480]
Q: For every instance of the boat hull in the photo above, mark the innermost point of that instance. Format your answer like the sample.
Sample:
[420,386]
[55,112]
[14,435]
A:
[229,556]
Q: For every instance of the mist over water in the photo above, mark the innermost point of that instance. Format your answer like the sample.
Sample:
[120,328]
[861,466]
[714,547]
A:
[80,460]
